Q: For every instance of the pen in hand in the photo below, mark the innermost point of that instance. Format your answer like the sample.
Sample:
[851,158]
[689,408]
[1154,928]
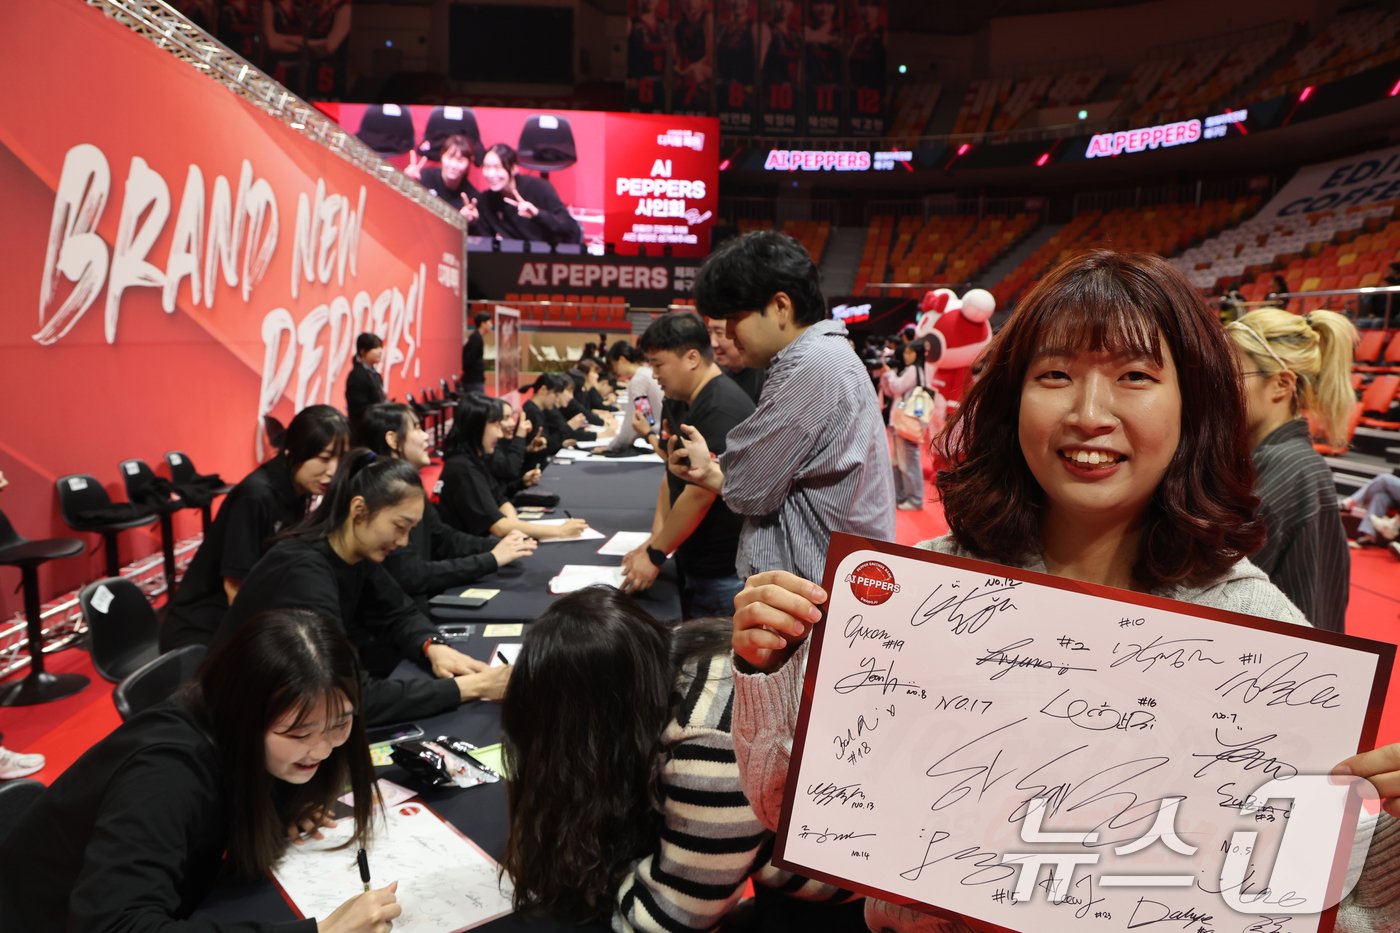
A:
[568,514]
[363,860]
[500,656]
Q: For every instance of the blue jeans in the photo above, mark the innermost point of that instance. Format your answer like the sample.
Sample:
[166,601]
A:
[908,472]
[1378,498]
[709,596]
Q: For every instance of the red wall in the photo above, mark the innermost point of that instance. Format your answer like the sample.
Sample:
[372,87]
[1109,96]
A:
[111,157]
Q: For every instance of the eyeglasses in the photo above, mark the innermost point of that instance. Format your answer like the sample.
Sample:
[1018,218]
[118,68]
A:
[1257,372]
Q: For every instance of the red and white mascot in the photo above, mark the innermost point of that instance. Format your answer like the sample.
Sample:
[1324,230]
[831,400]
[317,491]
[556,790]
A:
[966,330]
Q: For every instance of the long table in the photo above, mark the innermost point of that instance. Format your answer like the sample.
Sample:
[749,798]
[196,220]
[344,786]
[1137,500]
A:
[614,496]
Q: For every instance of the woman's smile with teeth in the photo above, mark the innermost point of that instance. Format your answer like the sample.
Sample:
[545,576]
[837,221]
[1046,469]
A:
[1091,457]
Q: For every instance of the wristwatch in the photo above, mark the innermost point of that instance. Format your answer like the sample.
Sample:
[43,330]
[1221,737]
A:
[656,555]
[434,640]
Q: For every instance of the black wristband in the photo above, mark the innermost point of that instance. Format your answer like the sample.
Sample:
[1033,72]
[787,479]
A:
[656,556]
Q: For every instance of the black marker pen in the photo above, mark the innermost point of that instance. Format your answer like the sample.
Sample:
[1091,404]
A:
[363,859]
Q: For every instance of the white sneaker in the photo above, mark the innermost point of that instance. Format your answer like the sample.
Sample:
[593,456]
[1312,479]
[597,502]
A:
[16,765]
[1387,527]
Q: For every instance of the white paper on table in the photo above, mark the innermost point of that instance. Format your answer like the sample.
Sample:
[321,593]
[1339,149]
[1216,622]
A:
[588,534]
[446,883]
[509,651]
[589,445]
[572,453]
[624,543]
[389,792]
[640,458]
[643,443]
[576,576]
[952,705]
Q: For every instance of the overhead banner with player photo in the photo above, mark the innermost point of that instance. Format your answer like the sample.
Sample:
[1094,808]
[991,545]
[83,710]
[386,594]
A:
[824,67]
[168,289]
[692,58]
[572,179]
[648,54]
[865,96]
[780,51]
[736,64]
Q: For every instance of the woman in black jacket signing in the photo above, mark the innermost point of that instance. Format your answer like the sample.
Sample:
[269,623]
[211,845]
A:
[522,207]
[256,748]
[437,556]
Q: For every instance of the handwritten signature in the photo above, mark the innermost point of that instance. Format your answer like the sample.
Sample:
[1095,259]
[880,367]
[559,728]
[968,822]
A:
[1275,681]
[1079,712]
[1011,662]
[967,613]
[1250,753]
[1250,804]
[856,629]
[1161,651]
[826,835]
[827,793]
[871,674]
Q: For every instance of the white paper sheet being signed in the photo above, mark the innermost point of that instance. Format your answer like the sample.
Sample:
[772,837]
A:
[965,726]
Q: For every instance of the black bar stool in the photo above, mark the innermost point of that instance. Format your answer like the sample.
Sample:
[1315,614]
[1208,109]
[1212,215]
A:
[86,506]
[143,489]
[38,686]
[183,474]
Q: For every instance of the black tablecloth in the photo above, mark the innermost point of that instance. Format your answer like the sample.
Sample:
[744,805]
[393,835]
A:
[612,497]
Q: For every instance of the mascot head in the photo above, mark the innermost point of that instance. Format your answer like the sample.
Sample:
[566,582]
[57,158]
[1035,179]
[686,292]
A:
[978,305]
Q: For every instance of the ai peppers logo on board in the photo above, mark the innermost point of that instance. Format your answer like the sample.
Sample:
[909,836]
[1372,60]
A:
[872,583]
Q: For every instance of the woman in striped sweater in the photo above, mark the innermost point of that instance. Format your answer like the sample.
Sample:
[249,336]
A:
[625,802]
[1297,365]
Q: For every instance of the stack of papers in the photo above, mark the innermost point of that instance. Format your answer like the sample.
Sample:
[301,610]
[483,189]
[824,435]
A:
[624,543]
[577,576]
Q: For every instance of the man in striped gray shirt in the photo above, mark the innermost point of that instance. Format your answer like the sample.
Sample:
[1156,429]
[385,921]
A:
[813,457]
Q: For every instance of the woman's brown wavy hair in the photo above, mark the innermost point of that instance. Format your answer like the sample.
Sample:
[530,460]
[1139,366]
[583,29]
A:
[1201,518]
[590,695]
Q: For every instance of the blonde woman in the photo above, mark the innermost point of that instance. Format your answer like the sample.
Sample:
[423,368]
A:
[1295,366]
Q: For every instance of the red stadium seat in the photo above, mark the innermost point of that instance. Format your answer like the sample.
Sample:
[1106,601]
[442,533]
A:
[1376,401]
[1372,344]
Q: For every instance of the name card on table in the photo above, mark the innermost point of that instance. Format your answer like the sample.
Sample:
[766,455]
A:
[1046,755]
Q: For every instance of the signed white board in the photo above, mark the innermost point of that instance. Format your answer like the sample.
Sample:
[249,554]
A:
[445,882]
[952,709]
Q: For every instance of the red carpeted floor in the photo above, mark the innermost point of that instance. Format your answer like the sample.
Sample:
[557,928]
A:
[64,730]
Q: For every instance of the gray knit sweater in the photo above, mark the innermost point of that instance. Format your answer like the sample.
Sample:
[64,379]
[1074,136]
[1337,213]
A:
[765,716]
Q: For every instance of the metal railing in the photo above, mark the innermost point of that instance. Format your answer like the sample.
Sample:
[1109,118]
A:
[167,29]
[1273,299]
[61,619]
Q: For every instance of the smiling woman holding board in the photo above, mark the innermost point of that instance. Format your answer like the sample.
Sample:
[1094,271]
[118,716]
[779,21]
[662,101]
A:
[1127,467]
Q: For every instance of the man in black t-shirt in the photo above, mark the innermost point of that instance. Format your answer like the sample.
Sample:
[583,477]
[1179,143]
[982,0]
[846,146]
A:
[691,522]
[474,355]
[748,378]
